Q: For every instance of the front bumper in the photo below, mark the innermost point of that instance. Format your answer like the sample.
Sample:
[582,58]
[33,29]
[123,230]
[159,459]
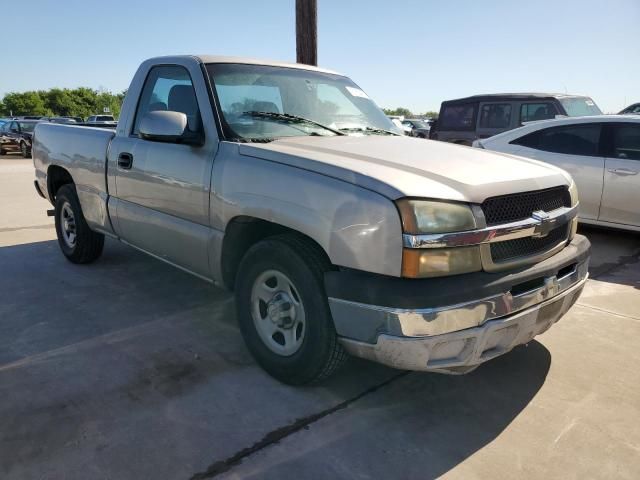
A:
[463,351]
[507,310]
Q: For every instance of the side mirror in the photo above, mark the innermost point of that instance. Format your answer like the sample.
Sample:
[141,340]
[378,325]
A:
[167,126]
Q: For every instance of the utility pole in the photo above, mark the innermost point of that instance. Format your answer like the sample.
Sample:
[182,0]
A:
[307,32]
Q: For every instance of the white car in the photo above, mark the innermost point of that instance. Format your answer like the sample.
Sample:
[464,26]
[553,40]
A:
[602,154]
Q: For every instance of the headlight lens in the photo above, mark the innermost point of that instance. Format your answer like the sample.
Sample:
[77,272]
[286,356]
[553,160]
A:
[438,262]
[573,192]
[427,216]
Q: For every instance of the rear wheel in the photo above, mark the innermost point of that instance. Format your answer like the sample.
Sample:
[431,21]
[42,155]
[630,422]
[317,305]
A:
[283,311]
[77,241]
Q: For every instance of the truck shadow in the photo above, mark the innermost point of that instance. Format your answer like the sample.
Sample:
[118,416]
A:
[132,339]
[419,426]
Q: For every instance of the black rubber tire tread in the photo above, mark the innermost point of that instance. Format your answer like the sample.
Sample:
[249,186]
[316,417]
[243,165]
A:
[303,367]
[25,151]
[89,244]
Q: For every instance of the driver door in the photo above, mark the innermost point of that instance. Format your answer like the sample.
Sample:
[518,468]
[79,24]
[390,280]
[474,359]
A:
[162,188]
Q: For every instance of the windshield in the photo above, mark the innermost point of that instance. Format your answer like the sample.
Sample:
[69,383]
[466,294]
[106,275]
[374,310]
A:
[324,104]
[419,124]
[104,118]
[27,126]
[580,106]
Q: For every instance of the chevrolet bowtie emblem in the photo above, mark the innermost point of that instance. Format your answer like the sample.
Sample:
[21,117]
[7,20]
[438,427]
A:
[546,224]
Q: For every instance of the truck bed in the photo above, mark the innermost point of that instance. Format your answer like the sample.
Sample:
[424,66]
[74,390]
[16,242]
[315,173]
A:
[87,165]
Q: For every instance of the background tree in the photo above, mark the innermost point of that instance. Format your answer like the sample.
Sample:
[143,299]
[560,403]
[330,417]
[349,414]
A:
[401,111]
[64,102]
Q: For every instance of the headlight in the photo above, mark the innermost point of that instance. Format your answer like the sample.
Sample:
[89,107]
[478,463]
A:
[427,216]
[423,217]
[573,192]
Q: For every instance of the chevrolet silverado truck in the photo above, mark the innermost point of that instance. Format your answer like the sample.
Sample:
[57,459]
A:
[288,185]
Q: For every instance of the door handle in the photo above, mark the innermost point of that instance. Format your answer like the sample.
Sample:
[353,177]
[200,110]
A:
[622,171]
[125,160]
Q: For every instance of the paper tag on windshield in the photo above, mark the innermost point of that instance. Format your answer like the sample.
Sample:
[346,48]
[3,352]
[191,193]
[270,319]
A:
[356,92]
[589,102]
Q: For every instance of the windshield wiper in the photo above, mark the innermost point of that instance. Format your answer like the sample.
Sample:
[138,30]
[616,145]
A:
[370,129]
[287,117]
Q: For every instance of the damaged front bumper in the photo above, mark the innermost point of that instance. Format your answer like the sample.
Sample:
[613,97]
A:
[459,336]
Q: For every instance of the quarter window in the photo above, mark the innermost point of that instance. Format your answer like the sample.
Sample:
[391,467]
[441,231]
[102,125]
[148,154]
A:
[495,115]
[531,112]
[570,140]
[626,142]
[169,88]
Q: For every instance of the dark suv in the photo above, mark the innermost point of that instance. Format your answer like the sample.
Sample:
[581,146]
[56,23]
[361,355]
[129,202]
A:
[16,136]
[467,119]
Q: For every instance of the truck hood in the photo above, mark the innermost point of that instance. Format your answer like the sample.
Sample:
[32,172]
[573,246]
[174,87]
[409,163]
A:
[409,167]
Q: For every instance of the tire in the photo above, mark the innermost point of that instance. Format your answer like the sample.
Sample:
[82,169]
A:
[77,241]
[25,151]
[309,353]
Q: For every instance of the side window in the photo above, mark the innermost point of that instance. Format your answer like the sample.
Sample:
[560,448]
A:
[495,115]
[626,142]
[169,88]
[531,112]
[570,140]
[458,117]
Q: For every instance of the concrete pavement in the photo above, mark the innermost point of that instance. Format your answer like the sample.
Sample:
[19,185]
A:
[128,368]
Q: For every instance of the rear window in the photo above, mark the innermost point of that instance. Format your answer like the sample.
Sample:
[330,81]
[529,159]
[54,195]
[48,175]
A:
[104,118]
[495,115]
[458,117]
[580,106]
[532,112]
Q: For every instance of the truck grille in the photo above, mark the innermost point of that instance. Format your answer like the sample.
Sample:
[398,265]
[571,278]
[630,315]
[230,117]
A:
[518,206]
[524,247]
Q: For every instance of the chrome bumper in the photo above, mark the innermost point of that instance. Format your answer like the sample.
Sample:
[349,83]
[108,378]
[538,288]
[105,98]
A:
[451,318]
[462,351]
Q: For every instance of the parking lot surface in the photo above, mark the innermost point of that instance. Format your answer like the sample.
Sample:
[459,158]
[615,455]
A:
[129,368]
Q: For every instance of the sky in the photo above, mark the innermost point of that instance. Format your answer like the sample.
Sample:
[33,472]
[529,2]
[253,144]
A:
[407,53]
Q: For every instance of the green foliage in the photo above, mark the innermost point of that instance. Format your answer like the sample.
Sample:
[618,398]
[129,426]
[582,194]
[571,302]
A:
[405,112]
[77,102]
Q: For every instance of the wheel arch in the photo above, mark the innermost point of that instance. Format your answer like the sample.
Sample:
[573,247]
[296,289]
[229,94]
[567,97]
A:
[244,231]
[57,176]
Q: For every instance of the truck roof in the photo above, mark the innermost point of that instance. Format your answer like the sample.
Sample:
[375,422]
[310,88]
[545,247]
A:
[519,96]
[243,60]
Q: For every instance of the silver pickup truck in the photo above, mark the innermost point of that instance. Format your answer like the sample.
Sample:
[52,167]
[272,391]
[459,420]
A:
[288,185]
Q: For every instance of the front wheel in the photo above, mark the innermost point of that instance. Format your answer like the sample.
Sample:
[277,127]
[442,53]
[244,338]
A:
[77,241]
[283,312]
[24,150]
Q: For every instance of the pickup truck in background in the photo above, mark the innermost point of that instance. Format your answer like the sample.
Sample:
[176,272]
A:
[288,185]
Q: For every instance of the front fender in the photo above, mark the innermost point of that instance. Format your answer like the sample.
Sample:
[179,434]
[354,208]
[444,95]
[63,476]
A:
[356,227]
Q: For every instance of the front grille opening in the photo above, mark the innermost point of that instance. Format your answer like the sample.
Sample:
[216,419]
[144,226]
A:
[527,246]
[527,286]
[518,206]
[568,270]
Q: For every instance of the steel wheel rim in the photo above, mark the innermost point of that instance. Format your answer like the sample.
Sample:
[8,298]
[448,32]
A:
[68,225]
[278,313]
